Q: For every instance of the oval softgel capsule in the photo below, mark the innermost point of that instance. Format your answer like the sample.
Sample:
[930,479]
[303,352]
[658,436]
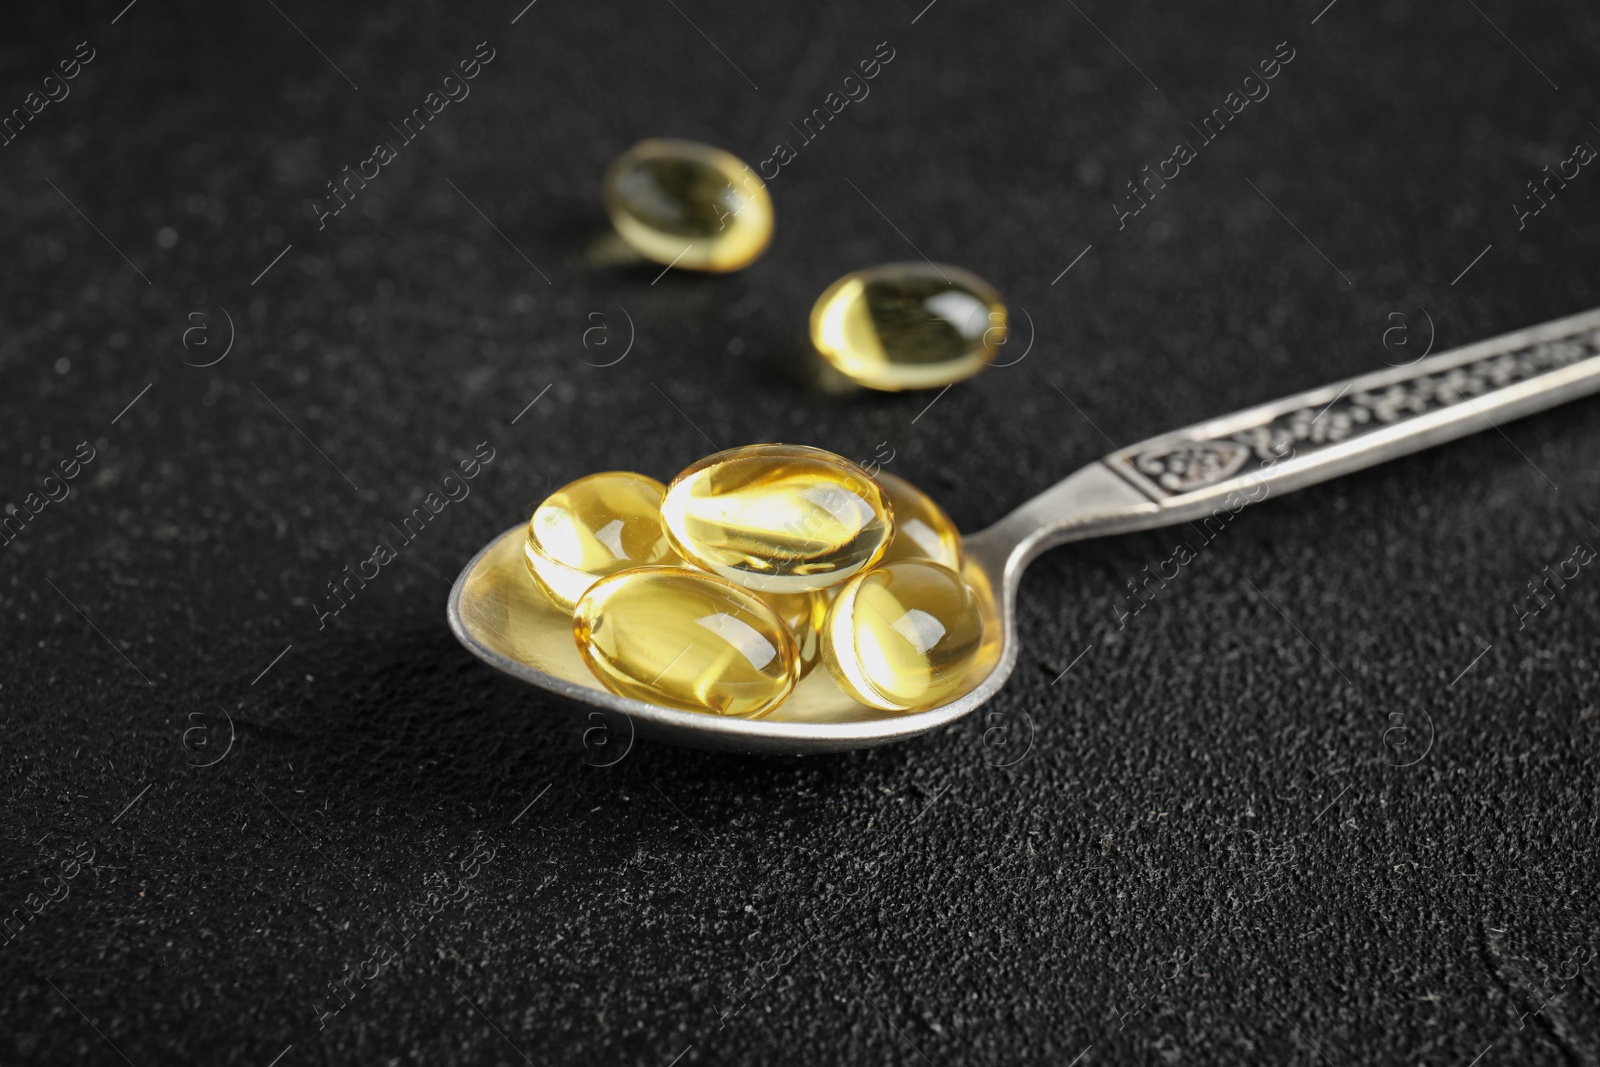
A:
[689,205]
[593,527]
[804,613]
[778,518]
[921,528]
[683,639]
[903,636]
[908,325]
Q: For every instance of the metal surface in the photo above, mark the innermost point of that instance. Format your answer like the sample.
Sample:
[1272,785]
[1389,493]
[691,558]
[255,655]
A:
[1206,472]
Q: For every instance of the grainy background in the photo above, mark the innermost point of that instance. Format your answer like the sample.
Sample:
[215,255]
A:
[1205,855]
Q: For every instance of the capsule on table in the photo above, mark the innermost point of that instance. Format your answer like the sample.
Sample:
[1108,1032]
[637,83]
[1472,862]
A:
[593,527]
[689,205]
[908,325]
[679,638]
[921,528]
[778,518]
[903,636]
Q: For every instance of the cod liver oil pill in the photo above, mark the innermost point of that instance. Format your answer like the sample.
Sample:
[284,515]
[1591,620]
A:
[593,527]
[777,518]
[689,205]
[908,325]
[903,636]
[921,528]
[677,637]
[804,613]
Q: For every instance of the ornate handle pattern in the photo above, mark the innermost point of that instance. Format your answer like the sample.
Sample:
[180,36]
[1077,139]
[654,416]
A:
[1365,420]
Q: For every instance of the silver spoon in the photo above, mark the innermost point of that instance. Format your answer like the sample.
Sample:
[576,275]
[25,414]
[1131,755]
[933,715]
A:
[1207,472]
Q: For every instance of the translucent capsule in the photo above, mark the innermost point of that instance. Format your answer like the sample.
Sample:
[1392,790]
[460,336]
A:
[921,528]
[903,636]
[676,637]
[777,518]
[594,527]
[804,613]
[908,325]
[688,204]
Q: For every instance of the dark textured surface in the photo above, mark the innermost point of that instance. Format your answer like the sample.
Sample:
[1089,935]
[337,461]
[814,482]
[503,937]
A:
[1202,858]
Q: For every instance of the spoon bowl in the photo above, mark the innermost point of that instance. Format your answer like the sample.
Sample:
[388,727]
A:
[1206,474]
[501,616]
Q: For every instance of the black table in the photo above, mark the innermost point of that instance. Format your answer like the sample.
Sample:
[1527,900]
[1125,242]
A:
[1328,799]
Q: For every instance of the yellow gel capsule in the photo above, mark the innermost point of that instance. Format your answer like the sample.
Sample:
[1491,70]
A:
[594,527]
[903,636]
[689,205]
[908,325]
[676,637]
[777,518]
[921,528]
[804,614]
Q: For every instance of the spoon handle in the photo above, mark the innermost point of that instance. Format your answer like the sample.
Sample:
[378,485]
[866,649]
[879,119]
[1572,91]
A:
[1212,470]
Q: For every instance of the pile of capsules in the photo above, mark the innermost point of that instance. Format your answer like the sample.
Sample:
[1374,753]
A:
[720,591]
